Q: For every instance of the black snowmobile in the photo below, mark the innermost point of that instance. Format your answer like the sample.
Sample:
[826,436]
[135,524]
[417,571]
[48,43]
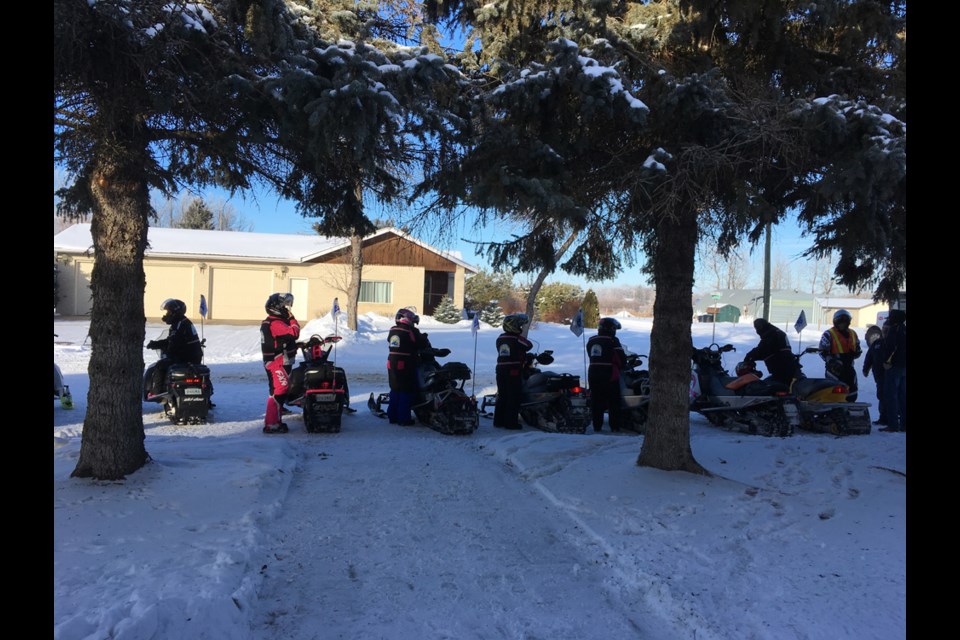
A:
[635,397]
[550,401]
[186,391]
[318,386]
[441,404]
[743,402]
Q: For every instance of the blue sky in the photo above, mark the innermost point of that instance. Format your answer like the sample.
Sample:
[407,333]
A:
[267,214]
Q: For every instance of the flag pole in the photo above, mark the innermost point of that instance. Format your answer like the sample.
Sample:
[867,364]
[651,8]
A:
[583,340]
[336,328]
[474,326]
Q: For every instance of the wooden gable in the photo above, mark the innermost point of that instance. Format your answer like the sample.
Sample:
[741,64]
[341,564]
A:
[393,250]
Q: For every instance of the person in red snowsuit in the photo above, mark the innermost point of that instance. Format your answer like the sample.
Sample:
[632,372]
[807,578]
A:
[278,337]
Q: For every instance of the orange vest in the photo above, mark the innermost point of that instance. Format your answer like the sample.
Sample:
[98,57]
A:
[841,344]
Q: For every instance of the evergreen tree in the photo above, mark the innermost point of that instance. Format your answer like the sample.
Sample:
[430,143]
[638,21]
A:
[492,314]
[487,287]
[558,301]
[591,310]
[197,215]
[162,93]
[717,116]
[447,312]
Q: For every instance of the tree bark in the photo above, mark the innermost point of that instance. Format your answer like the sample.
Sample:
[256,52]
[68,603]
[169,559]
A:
[356,273]
[538,282]
[666,443]
[113,435]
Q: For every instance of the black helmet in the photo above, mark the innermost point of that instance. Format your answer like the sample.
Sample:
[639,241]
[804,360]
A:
[515,322]
[608,327]
[173,310]
[406,316]
[842,317]
[277,304]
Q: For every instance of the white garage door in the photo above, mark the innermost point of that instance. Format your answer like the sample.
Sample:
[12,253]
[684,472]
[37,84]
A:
[239,293]
[169,281]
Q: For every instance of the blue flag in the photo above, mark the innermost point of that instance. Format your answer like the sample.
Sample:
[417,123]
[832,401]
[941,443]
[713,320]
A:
[476,323]
[203,306]
[801,322]
[577,325]
[336,306]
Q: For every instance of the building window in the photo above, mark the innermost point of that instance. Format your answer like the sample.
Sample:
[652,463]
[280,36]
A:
[376,292]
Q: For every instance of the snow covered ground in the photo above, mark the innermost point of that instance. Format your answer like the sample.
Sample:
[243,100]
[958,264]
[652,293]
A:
[403,533]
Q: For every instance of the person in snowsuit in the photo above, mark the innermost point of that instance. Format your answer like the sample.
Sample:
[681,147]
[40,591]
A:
[774,350]
[895,371]
[181,346]
[278,345]
[603,375]
[512,348]
[403,366]
[873,361]
[839,347]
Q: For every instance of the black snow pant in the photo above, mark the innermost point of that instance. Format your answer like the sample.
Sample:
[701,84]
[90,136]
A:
[506,411]
[604,397]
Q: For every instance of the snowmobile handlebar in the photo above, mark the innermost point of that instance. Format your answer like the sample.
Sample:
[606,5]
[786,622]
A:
[715,348]
[437,353]
[316,340]
[634,360]
[544,357]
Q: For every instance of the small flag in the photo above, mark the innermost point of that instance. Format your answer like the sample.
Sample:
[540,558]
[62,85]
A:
[801,322]
[336,306]
[577,325]
[203,306]
[476,323]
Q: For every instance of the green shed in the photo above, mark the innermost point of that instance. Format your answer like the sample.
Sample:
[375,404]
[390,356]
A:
[725,313]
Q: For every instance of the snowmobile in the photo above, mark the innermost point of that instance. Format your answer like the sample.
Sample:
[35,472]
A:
[550,401]
[825,406]
[441,404]
[318,386]
[186,391]
[743,402]
[635,396]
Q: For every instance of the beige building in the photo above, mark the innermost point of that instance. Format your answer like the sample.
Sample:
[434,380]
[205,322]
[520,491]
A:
[237,271]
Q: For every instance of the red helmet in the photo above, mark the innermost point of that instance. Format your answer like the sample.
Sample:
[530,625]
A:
[745,367]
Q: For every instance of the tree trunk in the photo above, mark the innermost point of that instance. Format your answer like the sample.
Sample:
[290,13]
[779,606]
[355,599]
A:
[113,435]
[538,282]
[766,273]
[356,273]
[666,443]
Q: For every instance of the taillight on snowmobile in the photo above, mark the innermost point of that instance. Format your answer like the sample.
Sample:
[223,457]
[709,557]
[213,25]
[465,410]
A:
[324,385]
[576,390]
[191,380]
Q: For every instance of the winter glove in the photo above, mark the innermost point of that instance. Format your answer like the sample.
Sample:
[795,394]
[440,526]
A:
[443,353]
[153,344]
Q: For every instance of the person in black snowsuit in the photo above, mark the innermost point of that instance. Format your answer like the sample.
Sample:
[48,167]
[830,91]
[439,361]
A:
[774,350]
[603,375]
[403,366]
[895,371]
[512,350]
[873,361]
[181,346]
